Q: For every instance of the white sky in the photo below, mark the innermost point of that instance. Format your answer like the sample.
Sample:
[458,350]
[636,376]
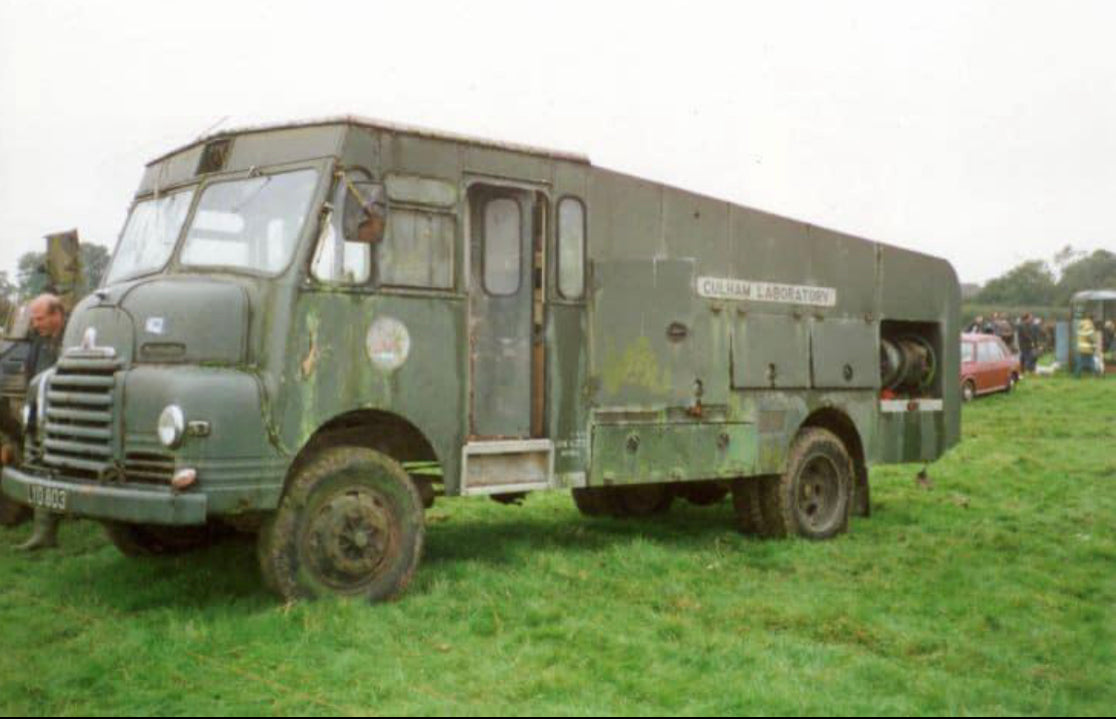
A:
[984,132]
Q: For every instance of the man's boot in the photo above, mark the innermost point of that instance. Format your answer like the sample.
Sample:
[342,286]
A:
[45,534]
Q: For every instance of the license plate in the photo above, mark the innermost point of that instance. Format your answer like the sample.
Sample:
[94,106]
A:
[47,498]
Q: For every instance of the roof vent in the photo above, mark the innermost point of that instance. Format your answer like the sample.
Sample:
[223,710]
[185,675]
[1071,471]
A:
[214,157]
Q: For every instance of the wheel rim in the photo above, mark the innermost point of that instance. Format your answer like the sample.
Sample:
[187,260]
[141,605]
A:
[817,500]
[967,392]
[350,539]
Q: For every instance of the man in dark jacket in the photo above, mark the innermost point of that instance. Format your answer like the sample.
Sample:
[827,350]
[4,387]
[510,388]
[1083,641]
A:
[1025,330]
[48,317]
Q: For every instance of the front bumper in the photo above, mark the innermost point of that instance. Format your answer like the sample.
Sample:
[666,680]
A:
[121,503]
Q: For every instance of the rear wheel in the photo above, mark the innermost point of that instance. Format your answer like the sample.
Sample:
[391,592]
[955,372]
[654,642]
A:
[592,501]
[968,391]
[351,524]
[640,501]
[746,505]
[812,497]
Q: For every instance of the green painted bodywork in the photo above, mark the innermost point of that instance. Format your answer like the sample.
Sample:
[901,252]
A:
[643,379]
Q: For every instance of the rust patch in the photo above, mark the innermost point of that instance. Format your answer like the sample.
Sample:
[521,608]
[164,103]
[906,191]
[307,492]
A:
[310,363]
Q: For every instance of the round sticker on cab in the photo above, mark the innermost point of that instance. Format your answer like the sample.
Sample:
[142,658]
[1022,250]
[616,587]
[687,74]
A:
[388,343]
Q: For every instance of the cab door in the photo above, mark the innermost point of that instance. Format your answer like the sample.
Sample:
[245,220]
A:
[505,233]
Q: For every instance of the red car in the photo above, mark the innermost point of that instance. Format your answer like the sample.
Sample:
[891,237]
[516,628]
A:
[987,365]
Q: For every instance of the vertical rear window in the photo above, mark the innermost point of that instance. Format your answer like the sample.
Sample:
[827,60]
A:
[502,259]
[571,248]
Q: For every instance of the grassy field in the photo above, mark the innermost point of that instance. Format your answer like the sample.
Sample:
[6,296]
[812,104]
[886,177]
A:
[991,592]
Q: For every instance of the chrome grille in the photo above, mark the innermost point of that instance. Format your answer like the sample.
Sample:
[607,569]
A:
[79,404]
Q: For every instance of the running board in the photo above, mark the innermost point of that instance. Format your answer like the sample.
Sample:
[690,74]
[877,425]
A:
[504,466]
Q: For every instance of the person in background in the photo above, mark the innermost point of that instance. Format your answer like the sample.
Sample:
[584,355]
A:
[1003,329]
[1098,349]
[1086,346]
[1025,330]
[48,317]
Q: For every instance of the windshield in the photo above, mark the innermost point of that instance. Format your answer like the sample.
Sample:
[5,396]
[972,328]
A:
[149,235]
[252,223]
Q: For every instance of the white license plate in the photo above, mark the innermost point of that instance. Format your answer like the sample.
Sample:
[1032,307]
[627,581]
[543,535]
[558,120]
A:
[47,498]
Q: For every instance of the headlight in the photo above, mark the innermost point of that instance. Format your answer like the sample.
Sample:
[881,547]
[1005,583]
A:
[172,426]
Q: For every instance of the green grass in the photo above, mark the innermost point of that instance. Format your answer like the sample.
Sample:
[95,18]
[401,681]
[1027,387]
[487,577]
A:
[992,592]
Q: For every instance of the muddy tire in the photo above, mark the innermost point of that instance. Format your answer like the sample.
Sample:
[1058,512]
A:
[702,494]
[862,493]
[643,500]
[812,497]
[156,540]
[13,514]
[746,505]
[592,501]
[350,524]
[263,547]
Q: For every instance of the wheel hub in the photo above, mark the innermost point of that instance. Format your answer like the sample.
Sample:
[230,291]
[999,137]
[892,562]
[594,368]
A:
[819,491]
[349,538]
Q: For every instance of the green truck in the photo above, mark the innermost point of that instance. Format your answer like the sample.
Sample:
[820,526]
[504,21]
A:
[311,330]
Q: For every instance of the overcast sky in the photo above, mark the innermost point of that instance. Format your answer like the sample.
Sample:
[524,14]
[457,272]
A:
[984,132]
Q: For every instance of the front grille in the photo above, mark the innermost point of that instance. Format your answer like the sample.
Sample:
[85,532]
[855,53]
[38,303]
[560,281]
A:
[154,467]
[79,404]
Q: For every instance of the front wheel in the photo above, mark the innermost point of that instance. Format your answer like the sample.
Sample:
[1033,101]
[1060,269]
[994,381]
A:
[350,524]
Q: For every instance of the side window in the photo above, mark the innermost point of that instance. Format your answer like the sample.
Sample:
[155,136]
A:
[417,250]
[986,352]
[335,259]
[571,248]
[413,248]
[502,227]
[338,261]
[968,353]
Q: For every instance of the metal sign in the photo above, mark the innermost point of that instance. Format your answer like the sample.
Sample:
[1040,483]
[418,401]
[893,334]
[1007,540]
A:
[730,289]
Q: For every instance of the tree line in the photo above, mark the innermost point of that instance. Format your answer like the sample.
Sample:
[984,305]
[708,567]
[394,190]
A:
[31,277]
[1051,284]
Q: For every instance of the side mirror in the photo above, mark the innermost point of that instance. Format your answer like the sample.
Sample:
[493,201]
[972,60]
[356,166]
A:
[364,218]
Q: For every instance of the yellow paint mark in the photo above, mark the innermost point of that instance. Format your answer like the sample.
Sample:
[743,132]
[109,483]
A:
[638,366]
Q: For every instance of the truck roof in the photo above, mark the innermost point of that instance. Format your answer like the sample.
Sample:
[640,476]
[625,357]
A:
[360,121]
[428,133]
